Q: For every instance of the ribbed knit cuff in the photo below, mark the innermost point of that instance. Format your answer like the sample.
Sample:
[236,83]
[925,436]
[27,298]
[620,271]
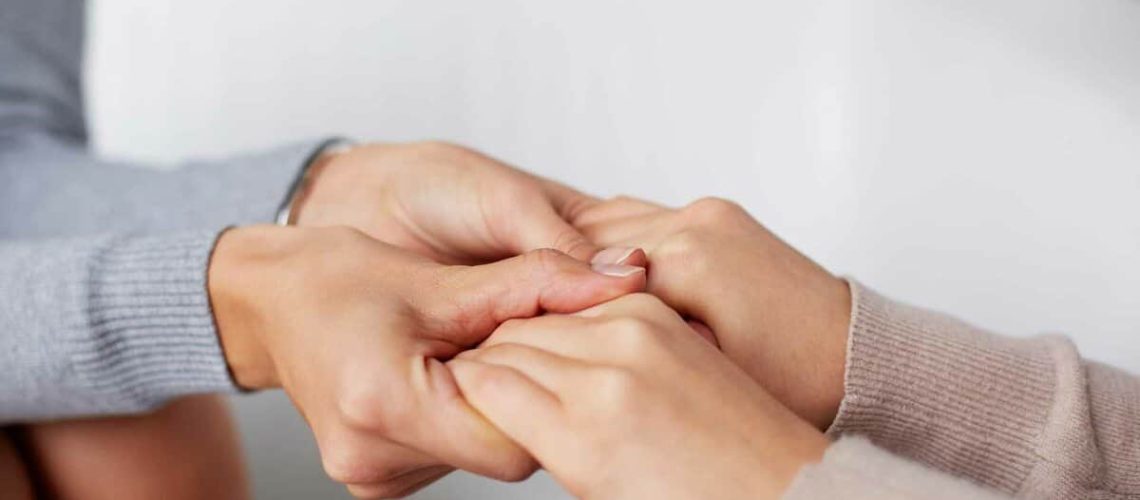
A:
[148,332]
[854,469]
[936,390]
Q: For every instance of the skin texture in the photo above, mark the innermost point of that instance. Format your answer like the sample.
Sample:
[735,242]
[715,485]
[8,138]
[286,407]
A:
[779,316]
[15,481]
[185,450]
[354,330]
[623,400]
[442,201]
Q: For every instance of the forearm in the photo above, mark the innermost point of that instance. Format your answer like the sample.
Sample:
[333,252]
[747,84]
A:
[52,188]
[1027,417]
[105,324]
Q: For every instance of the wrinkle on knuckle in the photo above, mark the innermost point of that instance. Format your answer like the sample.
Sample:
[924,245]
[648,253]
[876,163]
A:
[571,242]
[546,263]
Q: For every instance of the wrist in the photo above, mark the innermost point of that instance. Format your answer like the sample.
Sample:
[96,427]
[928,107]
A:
[808,449]
[290,210]
[233,288]
[837,323]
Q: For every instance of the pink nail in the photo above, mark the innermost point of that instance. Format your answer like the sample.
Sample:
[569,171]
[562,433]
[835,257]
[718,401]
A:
[613,255]
[617,270]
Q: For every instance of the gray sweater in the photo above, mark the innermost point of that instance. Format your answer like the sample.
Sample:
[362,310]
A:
[103,307]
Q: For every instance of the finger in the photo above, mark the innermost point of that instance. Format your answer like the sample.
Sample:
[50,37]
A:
[532,416]
[401,486]
[354,456]
[620,207]
[627,256]
[568,202]
[445,426]
[643,231]
[570,337]
[642,306]
[544,227]
[558,374]
[473,301]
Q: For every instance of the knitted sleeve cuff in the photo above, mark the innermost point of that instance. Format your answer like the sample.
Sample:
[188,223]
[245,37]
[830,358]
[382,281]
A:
[951,396]
[854,469]
[146,332]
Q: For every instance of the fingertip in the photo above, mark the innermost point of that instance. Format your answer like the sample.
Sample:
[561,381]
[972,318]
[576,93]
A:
[637,258]
[630,279]
[631,256]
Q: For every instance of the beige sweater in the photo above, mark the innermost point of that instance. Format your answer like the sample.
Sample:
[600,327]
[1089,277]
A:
[936,408]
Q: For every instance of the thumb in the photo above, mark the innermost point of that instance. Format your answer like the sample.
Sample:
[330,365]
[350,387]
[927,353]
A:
[474,300]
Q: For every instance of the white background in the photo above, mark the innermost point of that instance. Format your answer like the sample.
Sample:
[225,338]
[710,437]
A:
[976,156]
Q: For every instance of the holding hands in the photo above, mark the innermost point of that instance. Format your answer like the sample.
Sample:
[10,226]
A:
[408,257]
[779,316]
[622,400]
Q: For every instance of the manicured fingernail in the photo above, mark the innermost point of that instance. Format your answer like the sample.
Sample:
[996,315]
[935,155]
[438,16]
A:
[617,270]
[613,255]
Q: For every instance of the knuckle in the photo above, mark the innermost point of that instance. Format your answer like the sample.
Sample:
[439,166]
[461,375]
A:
[375,491]
[571,242]
[643,301]
[684,248]
[361,407]
[546,260]
[712,210]
[513,466]
[344,462]
[634,335]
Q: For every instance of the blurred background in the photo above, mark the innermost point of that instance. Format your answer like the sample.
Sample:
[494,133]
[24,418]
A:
[976,156]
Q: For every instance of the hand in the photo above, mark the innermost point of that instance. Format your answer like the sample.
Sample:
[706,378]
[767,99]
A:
[353,329]
[778,315]
[624,401]
[447,202]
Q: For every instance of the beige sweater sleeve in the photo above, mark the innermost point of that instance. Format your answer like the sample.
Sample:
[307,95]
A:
[1024,417]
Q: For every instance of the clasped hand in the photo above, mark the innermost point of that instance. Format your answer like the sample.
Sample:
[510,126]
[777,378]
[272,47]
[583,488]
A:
[434,308]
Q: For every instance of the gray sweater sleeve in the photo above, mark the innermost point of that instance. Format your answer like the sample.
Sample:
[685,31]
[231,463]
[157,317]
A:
[105,324]
[103,303]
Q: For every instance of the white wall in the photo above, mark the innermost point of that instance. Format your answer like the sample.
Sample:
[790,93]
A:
[977,156]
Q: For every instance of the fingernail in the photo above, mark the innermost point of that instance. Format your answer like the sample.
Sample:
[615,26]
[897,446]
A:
[617,270]
[613,255]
